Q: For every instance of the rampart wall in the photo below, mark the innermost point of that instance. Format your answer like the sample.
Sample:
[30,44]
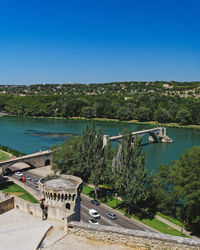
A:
[132,238]
[54,213]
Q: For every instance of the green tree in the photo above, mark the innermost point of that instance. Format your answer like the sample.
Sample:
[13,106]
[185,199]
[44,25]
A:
[186,175]
[130,165]
[162,115]
[65,155]
[162,192]
[183,116]
[177,189]
[124,114]
[88,112]
[90,157]
[143,114]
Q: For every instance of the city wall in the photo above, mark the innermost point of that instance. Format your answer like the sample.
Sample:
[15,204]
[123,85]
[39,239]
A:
[8,202]
[132,238]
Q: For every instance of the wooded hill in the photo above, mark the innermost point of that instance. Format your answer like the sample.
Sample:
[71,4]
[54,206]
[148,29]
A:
[145,101]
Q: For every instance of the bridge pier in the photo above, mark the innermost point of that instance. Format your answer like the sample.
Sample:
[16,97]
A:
[160,136]
[105,140]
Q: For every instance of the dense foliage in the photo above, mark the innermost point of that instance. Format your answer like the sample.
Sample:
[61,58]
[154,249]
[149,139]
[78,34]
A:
[86,157]
[177,189]
[174,190]
[178,102]
[131,179]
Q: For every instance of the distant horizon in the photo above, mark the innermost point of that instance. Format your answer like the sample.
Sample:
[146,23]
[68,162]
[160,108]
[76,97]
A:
[99,41]
[100,82]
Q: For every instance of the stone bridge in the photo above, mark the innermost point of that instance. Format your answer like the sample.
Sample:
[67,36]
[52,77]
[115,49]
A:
[39,159]
[155,134]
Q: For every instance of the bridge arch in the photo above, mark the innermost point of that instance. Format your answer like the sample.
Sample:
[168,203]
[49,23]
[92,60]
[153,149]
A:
[47,162]
[38,159]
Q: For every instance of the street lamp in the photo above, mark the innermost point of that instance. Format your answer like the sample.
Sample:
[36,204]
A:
[116,198]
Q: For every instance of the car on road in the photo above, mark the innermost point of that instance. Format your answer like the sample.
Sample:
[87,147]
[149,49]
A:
[95,202]
[28,178]
[18,173]
[37,188]
[36,181]
[93,213]
[22,179]
[111,216]
[93,221]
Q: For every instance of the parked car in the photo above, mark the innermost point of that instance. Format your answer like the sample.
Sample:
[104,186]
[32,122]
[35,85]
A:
[23,179]
[37,188]
[111,216]
[18,173]
[93,221]
[36,181]
[95,202]
[28,178]
[93,213]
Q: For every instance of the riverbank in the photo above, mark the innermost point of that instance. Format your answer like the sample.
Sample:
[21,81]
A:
[4,155]
[151,123]
[11,152]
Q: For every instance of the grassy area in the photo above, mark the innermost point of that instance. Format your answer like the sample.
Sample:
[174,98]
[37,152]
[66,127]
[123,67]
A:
[175,221]
[111,202]
[115,204]
[4,156]
[11,151]
[87,190]
[161,227]
[11,188]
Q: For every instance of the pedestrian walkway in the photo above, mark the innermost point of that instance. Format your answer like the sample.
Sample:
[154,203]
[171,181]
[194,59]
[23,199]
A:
[20,231]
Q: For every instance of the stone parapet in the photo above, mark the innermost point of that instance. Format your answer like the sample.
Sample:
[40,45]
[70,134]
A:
[132,238]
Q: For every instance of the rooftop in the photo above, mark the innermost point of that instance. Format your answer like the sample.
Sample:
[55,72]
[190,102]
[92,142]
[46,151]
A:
[60,184]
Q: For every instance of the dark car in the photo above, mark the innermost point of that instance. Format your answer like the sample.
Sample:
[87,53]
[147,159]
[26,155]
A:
[95,202]
[111,216]
[36,181]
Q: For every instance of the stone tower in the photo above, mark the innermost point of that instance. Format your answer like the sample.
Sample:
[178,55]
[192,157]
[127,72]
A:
[62,191]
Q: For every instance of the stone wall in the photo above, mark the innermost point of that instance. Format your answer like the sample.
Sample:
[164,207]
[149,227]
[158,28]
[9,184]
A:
[8,202]
[6,205]
[132,238]
[54,213]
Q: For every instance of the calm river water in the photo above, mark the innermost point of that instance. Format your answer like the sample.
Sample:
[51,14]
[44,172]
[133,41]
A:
[29,135]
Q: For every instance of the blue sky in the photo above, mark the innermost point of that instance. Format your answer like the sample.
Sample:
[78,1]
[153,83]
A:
[87,41]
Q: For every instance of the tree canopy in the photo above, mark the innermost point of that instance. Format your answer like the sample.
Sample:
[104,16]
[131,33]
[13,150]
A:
[177,187]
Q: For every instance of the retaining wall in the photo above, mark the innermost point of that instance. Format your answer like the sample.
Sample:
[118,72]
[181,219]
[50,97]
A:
[6,205]
[132,238]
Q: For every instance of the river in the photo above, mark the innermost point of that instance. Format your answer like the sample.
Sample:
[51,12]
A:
[29,135]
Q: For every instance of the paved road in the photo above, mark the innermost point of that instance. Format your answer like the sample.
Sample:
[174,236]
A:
[121,220]
[30,183]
